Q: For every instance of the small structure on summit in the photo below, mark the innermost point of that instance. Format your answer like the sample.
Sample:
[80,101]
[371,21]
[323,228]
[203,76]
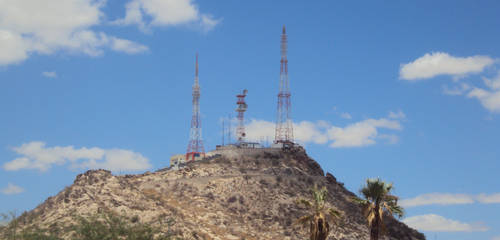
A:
[177,160]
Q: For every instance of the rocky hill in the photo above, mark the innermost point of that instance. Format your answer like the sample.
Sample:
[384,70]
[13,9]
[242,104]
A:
[239,194]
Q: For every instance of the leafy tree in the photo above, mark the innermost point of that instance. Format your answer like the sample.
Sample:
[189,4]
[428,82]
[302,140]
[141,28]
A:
[377,201]
[319,216]
[37,234]
[111,226]
[106,226]
[10,230]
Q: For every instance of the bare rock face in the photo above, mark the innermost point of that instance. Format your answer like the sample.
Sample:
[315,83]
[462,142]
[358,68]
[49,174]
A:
[239,194]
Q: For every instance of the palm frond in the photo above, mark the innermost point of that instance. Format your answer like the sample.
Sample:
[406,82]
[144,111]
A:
[385,206]
[397,210]
[334,213]
[389,198]
[360,201]
[369,208]
[304,220]
[334,216]
[370,216]
[391,205]
[304,202]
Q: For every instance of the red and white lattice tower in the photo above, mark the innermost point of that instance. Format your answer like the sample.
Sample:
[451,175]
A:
[195,147]
[284,125]
[242,107]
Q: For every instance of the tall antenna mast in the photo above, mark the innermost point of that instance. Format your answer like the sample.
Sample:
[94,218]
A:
[242,107]
[284,125]
[195,145]
[229,129]
[223,131]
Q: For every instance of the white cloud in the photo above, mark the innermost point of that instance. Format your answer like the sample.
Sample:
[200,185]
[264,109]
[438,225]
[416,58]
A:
[391,138]
[490,99]
[397,115]
[45,27]
[493,83]
[459,89]
[437,199]
[496,238]
[361,133]
[126,46]
[436,223]
[434,64]
[35,155]
[345,115]
[258,130]
[13,48]
[146,13]
[357,134]
[485,198]
[306,132]
[49,74]
[449,199]
[439,63]
[12,189]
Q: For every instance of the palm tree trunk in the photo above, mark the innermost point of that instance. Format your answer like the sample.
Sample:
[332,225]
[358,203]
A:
[320,228]
[375,227]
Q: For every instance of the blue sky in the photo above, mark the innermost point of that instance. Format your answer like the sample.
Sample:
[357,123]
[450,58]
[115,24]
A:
[408,91]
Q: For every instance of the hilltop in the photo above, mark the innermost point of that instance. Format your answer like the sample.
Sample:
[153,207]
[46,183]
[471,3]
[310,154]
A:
[238,194]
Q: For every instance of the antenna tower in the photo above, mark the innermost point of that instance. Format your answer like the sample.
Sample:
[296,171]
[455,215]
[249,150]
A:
[242,107]
[284,127]
[229,129]
[195,146]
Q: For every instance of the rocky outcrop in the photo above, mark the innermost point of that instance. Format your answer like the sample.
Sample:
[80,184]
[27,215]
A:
[235,195]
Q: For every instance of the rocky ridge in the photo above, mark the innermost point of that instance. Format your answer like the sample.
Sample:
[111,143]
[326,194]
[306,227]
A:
[237,194]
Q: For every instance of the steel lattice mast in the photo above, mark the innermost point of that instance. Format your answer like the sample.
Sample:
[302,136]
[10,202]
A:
[242,107]
[195,146]
[284,125]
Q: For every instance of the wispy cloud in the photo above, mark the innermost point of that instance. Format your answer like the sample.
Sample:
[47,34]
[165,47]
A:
[485,198]
[49,74]
[127,46]
[458,89]
[35,155]
[449,199]
[357,134]
[490,97]
[437,199]
[434,64]
[496,238]
[436,223]
[147,13]
[397,115]
[12,189]
[361,133]
[439,63]
[345,115]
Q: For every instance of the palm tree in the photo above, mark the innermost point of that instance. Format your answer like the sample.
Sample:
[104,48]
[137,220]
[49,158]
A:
[319,215]
[377,201]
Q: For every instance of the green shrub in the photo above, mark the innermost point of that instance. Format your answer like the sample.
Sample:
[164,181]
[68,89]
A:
[106,226]
[111,226]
